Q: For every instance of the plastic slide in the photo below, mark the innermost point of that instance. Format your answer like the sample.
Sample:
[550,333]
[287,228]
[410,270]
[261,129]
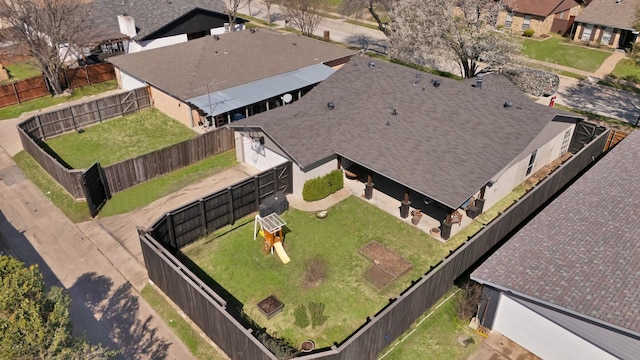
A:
[281,253]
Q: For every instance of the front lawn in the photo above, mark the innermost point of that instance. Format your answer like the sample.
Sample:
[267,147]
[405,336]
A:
[555,50]
[627,69]
[326,267]
[14,111]
[119,139]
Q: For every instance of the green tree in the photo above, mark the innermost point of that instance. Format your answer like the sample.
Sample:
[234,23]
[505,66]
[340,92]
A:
[35,323]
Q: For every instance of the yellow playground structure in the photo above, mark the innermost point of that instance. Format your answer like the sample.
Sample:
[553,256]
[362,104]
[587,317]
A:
[271,229]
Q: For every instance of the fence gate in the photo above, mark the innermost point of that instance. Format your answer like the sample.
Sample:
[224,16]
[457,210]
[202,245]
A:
[129,102]
[584,133]
[96,189]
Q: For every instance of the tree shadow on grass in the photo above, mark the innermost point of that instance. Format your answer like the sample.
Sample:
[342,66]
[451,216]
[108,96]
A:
[118,312]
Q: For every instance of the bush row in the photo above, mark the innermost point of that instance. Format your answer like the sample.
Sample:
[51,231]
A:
[321,187]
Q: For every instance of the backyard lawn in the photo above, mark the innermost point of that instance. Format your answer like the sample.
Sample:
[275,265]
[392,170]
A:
[120,139]
[16,110]
[555,50]
[21,70]
[326,267]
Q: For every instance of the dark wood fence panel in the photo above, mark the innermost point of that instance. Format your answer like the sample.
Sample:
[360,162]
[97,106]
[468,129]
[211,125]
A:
[382,329]
[87,75]
[202,305]
[131,172]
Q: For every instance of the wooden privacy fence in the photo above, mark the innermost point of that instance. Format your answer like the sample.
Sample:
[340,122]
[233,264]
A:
[198,301]
[36,87]
[125,174]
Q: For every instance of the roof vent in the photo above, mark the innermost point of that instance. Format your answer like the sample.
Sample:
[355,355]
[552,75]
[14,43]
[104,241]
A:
[479,82]
[372,64]
[294,44]
[252,30]
[330,105]
[216,37]
[435,82]
[507,104]
[618,1]
[416,83]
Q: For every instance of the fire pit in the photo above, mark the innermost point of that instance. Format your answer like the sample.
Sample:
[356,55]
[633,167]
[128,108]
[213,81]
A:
[307,346]
[270,306]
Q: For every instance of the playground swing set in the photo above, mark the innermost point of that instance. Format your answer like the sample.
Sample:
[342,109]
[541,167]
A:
[271,230]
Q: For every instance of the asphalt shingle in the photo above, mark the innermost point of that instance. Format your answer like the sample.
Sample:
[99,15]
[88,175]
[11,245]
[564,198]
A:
[610,13]
[445,142]
[581,252]
[542,8]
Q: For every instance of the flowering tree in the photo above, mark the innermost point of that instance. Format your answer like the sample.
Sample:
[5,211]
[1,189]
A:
[459,31]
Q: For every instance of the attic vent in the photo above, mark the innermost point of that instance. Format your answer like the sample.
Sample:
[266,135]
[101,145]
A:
[252,30]
[507,104]
[294,44]
[435,82]
[330,105]
[618,1]
[372,64]
[216,37]
[479,82]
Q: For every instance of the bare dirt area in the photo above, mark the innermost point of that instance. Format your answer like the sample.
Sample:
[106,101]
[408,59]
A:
[387,264]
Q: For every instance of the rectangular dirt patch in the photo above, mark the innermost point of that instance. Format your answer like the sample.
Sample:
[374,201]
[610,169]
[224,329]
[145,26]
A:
[386,258]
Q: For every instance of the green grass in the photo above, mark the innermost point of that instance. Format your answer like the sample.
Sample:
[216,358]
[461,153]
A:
[16,110]
[196,343]
[21,70]
[363,24]
[125,201]
[627,69]
[76,211]
[555,50]
[237,263]
[119,139]
[150,191]
[434,336]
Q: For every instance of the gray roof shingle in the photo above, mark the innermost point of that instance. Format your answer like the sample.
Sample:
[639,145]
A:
[445,142]
[582,252]
[148,15]
[609,13]
[542,7]
[193,68]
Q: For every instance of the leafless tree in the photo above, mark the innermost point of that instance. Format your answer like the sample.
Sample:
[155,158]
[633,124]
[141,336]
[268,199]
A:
[304,14]
[232,11]
[379,9]
[51,31]
[459,31]
[268,4]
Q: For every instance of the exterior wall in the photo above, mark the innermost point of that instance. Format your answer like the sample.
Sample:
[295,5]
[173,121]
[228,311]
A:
[517,173]
[137,46]
[171,106]
[262,160]
[596,35]
[539,24]
[300,177]
[541,336]
[221,30]
[128,82]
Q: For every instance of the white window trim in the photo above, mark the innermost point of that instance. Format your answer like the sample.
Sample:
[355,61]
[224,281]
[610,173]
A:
[526,24]
[586,32]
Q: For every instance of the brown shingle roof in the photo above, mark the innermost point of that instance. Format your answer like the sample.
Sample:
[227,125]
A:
[542,8]
[186,70]
[445,142]
[609,13]
[582,252]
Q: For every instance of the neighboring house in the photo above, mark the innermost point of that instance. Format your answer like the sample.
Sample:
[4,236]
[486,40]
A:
[566,286]
[436,140]
[542,16]
[222,78]
[130,26]
[608,22]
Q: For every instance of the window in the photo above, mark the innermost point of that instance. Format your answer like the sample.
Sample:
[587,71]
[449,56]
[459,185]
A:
[527,22]
[606,35]
[532,160]
[561,15]
[586,32]
[508,20]
[565,142]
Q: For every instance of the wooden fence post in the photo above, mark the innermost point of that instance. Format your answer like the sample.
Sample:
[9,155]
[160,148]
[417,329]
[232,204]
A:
[203,215]
[86,75]
[172,231]
[15,91]
[275,179]
[42,135]
[233,216]
[256,190]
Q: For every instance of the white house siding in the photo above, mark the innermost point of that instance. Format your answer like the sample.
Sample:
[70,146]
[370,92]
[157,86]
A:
[127,81]
[137,46]
[300,177]
[541,336]
[260,158]
[517,172]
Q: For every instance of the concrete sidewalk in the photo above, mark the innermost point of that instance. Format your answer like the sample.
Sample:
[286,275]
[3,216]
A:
[105,307]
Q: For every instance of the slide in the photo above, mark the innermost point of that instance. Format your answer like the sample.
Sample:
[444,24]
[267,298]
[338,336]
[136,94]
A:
[281,253]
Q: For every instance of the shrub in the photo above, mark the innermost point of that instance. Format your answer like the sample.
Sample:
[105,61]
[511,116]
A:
[321,187]
[279,347]
[302,318]
[468,300]
[528,33]
[317,314]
